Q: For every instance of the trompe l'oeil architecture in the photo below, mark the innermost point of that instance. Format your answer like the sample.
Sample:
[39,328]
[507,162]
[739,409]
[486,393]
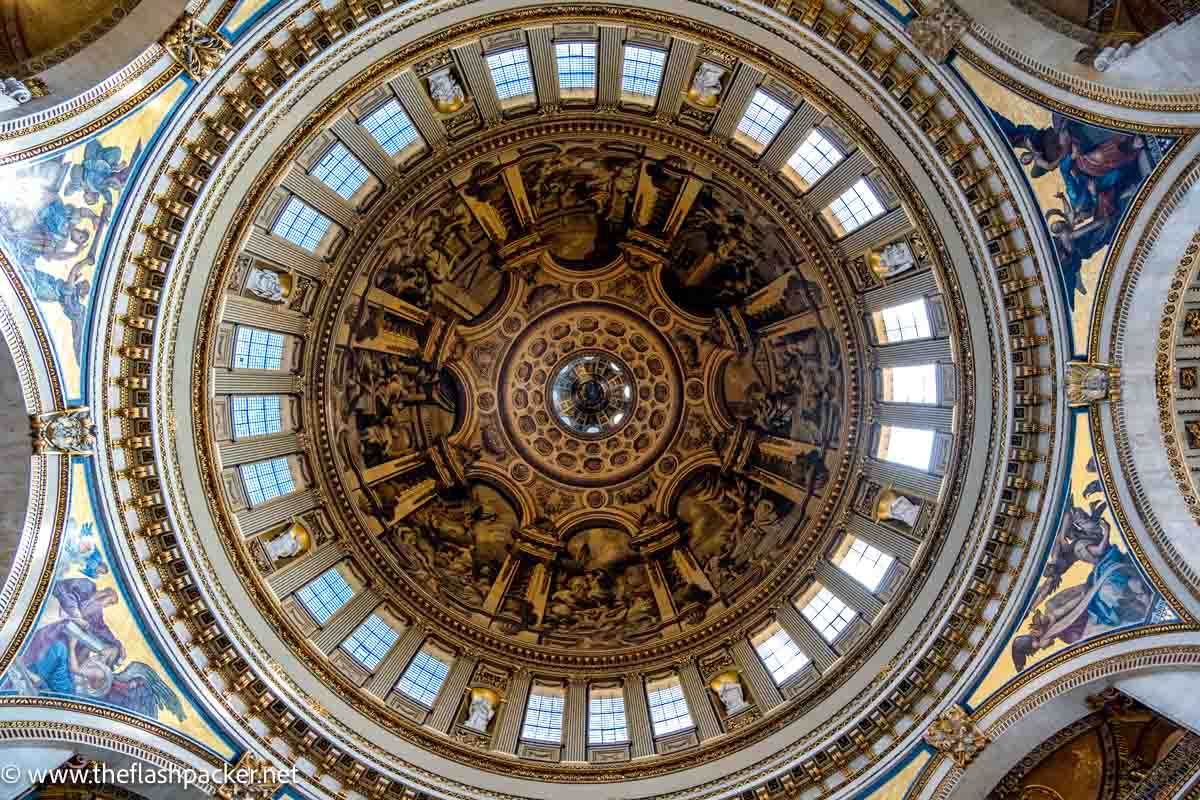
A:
[663,401]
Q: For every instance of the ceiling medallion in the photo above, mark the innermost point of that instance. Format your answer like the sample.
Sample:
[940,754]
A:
[590,394]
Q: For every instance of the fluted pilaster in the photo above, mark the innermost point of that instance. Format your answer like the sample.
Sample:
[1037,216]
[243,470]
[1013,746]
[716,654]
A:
[285,254]
[762,685]
[905,479]
[879,230]
[408,88]
[788,140]
[268,316]
[920,351]
[637,716]
[837,180]
[299,573]
[346,619]
[703,714]
[509,730]
[916,415]
[451,695]
[541,58]
[850,591]
[469,57]
[675,76]
[388,673]
[255,381]
[806,637]
[575,720]
[735,99]
[259,448]
[365,148]
[903,289]
[609,57]
[281,509]
[882,537]
[318,195]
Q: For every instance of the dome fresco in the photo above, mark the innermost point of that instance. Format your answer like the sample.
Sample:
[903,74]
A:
[692,401]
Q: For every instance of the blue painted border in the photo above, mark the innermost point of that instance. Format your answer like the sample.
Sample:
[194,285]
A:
[233,35]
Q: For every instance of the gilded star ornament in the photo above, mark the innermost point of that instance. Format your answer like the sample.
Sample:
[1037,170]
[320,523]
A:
[956,735]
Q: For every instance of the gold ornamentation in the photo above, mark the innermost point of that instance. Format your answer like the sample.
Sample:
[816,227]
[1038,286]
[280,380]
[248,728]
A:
[69,432]
[195,46]
[938,30]
[1088,383]
[956,735]
[252,778]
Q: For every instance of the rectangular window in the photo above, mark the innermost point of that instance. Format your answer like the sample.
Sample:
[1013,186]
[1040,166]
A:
[815,157]
[763,118]
[341,171]
[641,71]
[543,715]
[325,595]
[423,678]
[779,653]
[266,480]
[905,322]
[668,708]
[371,641]
[828,614]
[255,348]
[864,563]
[857,206]
[256,415]
[391,127]
[911,447]
[606,716]
[302,225]
[910,384]
[511,73]
[576,65]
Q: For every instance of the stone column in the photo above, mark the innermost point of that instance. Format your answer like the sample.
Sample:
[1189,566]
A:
[448,699]
[850,591]
[890,541]
[257,519]
[662,596]
[259,448]
[735,99]
[806,637]
[575,722]
[299,573]
[637,716]
[508,732]
[701,707]
[346,619]
[388,673]
[542,64]
[762,685]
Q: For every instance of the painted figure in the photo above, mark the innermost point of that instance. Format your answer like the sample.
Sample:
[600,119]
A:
[1101,171]
[1114,594]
